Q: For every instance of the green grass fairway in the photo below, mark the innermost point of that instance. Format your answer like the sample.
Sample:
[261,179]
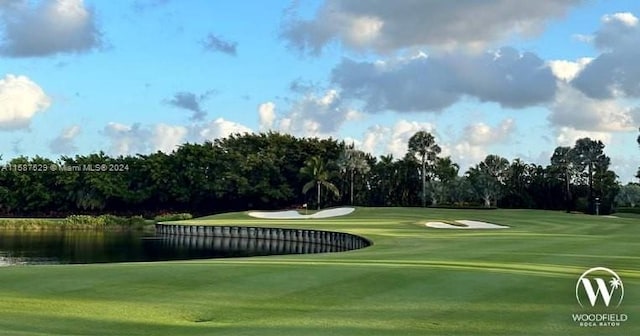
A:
[414,281]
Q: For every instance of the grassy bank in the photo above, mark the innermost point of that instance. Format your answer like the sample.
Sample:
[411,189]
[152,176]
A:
[413,281]
[76,222]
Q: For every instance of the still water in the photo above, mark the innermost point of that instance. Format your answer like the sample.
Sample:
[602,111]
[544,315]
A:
[86,247]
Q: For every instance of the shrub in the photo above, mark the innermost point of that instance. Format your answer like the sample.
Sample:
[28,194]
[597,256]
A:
[80,221]
[172,217]
[634,210]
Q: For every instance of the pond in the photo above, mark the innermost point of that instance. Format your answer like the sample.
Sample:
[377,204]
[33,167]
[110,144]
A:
[86,247]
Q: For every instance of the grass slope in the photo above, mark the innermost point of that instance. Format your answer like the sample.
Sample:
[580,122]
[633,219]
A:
[413,281]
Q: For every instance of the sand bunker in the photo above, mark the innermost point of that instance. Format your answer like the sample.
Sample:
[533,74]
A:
[293,214]
[469,225]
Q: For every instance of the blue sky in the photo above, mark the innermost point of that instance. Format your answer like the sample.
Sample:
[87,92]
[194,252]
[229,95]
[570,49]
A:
[486,77]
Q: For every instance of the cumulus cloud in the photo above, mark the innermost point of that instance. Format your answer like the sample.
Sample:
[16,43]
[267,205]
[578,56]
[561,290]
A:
[567,136]
[475,141]
[32,29]
[316,115]
[483,134]
[615,72]
[568,70]
[191,102]
[218,128]
[20,100]
[572,108]
[137,138]
[127,139]
[384,26]
[215,43]
[434,82]
[167,138]
[384,140]
[65,142]
[267,115]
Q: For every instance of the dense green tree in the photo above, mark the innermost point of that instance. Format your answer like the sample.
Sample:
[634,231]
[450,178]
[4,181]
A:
[629,195]
[563,162]
[353,162]
[445,172]
[315,169]
[423,145]
[587,153]
[248,171]
[518,180]
[487,178]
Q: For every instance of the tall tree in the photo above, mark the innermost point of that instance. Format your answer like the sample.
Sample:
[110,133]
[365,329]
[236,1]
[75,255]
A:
[562,159]
[445,171]
[519,177]
[423,145]
[487,178]
[586,153]
[353,162]
[315,169]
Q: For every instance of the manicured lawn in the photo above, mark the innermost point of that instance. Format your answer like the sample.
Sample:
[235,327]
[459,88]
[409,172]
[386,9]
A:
[413,281]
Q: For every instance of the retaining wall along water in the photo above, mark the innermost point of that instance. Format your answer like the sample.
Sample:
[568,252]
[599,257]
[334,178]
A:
[342,240]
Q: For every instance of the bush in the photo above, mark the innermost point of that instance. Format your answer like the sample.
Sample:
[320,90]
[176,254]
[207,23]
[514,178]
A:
[635,210]
[84,221]
[104,221]
[172,217]
[30,224]
[74,222]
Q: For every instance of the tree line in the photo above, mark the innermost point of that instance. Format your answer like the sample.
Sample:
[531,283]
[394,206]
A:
[276,171]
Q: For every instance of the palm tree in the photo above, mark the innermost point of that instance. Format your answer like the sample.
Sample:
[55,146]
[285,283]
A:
[353,162]
[316,170]
[423,144]
[562,159]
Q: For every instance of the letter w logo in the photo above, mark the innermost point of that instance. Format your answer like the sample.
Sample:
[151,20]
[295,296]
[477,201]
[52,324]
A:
[602,290]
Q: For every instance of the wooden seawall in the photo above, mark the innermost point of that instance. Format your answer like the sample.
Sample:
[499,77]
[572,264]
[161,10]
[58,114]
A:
[341,240]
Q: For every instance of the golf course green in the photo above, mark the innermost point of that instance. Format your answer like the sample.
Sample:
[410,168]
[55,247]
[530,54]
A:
[413,280]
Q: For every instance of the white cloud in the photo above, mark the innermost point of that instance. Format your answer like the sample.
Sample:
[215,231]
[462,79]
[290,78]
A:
[316,116]
[65,142]
[138,138]
[464,153]
[626,18]
[373,138]
[267,115]
[20,100]
[567,136]
[125,139]
[483,134]
[475,141]
[382,140]
[218,128]
[574,109]
[167,138]
[47,27]
[434,82]
[384,26]
[402,131]
[615,72]
[568,70]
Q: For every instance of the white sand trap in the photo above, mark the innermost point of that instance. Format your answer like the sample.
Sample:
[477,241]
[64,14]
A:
[469,225]
[292,214]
